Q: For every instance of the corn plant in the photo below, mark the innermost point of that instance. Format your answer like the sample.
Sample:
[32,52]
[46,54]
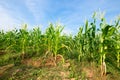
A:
[53,39]
[88,44]
[23,40]
[48,38]
[91,39]
[117,38]
[79,43]
[36,40]
[11,41]
[86,40]
[2,40]
[68,46]
[107,32]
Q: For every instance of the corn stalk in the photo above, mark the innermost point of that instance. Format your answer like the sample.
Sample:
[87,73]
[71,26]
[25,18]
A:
[36,40]
[53,39]
[23,34]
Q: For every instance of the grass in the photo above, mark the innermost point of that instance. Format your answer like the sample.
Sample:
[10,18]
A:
[70,70]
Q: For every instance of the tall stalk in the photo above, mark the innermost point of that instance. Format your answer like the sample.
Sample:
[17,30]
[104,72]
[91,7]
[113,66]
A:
[53,39]
[36,40]
[79,43]
[23,34]
[117,39]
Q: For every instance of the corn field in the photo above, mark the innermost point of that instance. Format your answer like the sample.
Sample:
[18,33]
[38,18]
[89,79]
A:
[96,41]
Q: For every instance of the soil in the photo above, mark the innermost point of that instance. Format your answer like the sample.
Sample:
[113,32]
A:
[51,69]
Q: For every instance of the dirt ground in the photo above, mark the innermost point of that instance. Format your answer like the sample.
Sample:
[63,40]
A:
[51,69]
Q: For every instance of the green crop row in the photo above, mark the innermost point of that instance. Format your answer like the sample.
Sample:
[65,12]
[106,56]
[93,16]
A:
[96,41]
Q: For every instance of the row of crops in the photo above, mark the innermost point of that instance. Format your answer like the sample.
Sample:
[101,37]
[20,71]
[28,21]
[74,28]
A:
[96,41]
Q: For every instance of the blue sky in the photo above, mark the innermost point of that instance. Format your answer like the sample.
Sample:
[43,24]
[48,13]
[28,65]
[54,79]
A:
[70,13]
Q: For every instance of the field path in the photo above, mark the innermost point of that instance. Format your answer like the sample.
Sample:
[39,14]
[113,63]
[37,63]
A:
[4,68]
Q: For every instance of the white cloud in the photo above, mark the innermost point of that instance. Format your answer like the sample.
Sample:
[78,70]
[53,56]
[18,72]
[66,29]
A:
[67,31]
[37,8]
[34,12]
[12,16]
[7,22]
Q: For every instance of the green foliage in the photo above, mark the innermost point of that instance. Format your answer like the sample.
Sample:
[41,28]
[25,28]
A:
[53,39]
[88,44]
